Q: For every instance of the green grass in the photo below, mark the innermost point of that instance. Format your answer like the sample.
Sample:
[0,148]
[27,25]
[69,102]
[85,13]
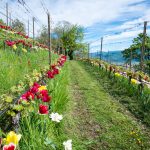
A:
[95,120]
[128,95]
[13,67]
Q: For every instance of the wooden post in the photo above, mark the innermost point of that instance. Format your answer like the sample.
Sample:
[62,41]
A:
[4,45]
[7,13]
[49,39]
[101,48]
[88,51]
[130,58]
[143,46]
[108,56]
[33,31]
[10,19]
[28,27]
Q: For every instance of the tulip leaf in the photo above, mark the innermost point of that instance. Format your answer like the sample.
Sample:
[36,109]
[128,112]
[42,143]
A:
[11,113]
[8,99]
[50,142]
[25,103]
[18,107]
[30,108]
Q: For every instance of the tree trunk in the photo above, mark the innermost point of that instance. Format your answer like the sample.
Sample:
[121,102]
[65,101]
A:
[70,54]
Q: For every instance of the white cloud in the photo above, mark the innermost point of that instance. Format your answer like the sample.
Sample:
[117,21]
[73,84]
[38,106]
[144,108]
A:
[117,42]
[83,12]
[123,35]
[88,12]
[134,22]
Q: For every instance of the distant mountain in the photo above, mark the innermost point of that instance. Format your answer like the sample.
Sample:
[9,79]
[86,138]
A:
[114,57]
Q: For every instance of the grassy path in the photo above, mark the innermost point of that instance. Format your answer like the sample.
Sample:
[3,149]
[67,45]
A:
[95,120]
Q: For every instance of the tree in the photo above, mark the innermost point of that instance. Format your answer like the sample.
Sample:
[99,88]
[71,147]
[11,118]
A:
[137,42]
[70,36]
[129,54]
[17,25]
[136,49]
[2,22]
[43,35]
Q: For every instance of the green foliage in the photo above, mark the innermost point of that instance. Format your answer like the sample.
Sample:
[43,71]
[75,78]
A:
[127,53]
[43,36]
[8,99]
[1,21]
[17,25]
[70,36]
[134,51]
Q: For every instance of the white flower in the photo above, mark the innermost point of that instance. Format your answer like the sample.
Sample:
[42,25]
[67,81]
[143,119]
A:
[56,117]
[68,145]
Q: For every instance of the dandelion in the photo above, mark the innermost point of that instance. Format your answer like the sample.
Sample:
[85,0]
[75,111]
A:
[56,117]
[132,133]
[68,145]
[12,137]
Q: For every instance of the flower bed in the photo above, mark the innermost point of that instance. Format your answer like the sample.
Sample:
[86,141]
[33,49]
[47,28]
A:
[38,98]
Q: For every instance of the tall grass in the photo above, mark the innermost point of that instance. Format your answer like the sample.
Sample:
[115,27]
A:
[14,67]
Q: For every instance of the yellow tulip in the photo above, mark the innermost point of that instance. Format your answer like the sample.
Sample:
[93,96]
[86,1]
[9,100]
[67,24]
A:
[41,88]
[133,81]
[12,137]
[12,32]
[117,75]
[24,50]
[14,47]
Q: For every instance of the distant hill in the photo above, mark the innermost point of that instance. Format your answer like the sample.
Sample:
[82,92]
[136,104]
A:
[114,57]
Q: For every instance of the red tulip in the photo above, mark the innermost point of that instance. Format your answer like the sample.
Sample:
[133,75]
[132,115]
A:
[10,43]
[11,146]
[50,74]
[34,88]
[46,98]
[44,92]
[27,96]
[55,71]
[43,109]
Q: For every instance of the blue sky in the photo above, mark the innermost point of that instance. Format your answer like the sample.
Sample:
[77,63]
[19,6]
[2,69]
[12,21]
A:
[100,18]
